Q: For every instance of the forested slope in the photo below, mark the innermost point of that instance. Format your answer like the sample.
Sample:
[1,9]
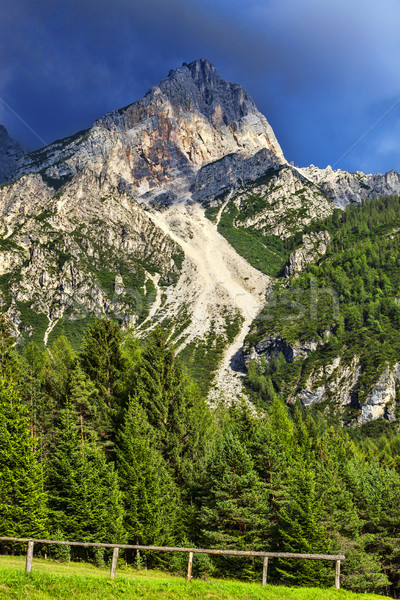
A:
[341,313]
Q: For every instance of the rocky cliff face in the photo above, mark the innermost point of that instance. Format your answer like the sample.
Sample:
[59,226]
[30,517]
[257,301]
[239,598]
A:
[381,401]
[81,252]
[230,174]
[314,245]
[276,201]
[334,384]
[272,345]
[10,153]
[157,145]
[337,383]
[344,188]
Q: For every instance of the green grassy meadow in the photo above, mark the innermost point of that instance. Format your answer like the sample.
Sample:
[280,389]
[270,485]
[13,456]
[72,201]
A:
[59,581]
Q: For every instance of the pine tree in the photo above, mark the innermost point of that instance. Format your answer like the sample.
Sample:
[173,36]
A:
[84,495]
[32,363]
[151,498]
[234,512]
[301,532]
[340,518]
[102,361]
[59,364]
[174,407]
[9,361]
[272,450]
[84,398]
[131,352]
[23,503]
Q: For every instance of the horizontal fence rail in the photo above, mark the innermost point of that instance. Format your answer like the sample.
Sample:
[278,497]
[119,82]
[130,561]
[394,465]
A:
[337,558]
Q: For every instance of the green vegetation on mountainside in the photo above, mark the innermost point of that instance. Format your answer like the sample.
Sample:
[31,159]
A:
[349,302]
[262,252]
[74,329]
[261,202]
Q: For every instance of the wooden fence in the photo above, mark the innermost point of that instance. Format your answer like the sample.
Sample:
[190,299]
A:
[116,547]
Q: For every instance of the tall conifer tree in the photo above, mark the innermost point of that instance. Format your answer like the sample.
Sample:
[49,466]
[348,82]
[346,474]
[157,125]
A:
[84,398]
[151,498]
[174,407]
[23,503]
[83,488]
[234,510]
[102,361]
[32,363]
[9,362]
[301,531]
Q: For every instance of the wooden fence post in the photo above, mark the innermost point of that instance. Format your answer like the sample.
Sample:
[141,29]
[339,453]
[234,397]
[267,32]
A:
[29,557]
[190,563]
[265,571]
[337,575]
[114,562]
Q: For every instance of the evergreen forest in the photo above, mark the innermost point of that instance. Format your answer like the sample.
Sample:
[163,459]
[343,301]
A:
[116,444]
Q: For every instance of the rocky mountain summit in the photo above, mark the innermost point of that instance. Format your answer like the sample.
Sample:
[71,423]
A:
[175,211]
[10,153]
[154,148]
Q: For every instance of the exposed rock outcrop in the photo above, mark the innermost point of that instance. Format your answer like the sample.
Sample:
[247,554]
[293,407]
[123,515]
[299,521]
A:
[272,346]
[309,397]
[231,172]
[344,188]
[336,381]
[77,253]
[381,401]
[314,245]
[281,202]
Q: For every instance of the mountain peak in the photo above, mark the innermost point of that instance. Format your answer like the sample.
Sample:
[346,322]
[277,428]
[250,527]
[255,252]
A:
[198,85]
[205,75]
[201,65]
[191,119]
[203,70]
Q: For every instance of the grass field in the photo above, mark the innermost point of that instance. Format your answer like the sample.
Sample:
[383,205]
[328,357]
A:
[59,581]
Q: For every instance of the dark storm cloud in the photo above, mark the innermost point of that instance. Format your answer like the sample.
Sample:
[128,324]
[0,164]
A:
[322,71]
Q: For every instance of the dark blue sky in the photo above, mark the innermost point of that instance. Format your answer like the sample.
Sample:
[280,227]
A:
[324,72]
